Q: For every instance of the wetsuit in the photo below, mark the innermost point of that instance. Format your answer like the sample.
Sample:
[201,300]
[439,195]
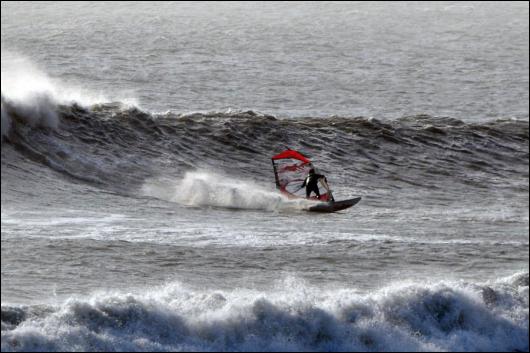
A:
[311,184]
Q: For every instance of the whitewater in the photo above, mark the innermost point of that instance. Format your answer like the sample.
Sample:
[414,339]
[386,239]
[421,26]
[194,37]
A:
[138,203]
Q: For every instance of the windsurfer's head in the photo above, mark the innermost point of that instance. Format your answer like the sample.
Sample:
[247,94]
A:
[312,171]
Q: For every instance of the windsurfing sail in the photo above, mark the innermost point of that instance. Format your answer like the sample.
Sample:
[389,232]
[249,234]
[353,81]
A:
[290,170]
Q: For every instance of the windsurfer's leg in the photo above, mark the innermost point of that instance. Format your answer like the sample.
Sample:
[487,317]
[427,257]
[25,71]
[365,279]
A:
[313,189]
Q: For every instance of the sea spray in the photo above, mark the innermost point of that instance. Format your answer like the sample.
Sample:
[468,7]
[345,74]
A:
[23,78]
[206,188]
[32,96]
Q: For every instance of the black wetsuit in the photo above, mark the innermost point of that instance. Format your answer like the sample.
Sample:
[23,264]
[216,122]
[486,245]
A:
[311,184]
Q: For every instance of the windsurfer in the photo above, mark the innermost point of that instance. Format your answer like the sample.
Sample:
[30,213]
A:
[311,183]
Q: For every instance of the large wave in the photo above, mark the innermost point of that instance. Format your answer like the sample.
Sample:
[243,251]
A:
[293,317]
[121,147]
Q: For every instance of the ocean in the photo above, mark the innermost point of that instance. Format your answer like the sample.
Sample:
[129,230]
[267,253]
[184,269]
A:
[138,202]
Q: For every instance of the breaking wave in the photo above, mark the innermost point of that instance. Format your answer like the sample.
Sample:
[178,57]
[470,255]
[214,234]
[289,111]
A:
[293,317]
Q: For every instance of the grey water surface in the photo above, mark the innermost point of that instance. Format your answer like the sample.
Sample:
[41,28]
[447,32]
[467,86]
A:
[138,206]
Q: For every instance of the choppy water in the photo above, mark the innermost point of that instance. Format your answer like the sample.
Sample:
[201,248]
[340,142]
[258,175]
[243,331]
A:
[138,203]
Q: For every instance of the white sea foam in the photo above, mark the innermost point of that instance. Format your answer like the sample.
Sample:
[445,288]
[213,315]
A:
[291,316]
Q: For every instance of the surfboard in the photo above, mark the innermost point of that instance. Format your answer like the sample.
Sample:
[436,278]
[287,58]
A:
[334,206]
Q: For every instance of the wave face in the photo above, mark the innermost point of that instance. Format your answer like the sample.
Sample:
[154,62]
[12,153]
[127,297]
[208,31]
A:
[120,148]
[405,317]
